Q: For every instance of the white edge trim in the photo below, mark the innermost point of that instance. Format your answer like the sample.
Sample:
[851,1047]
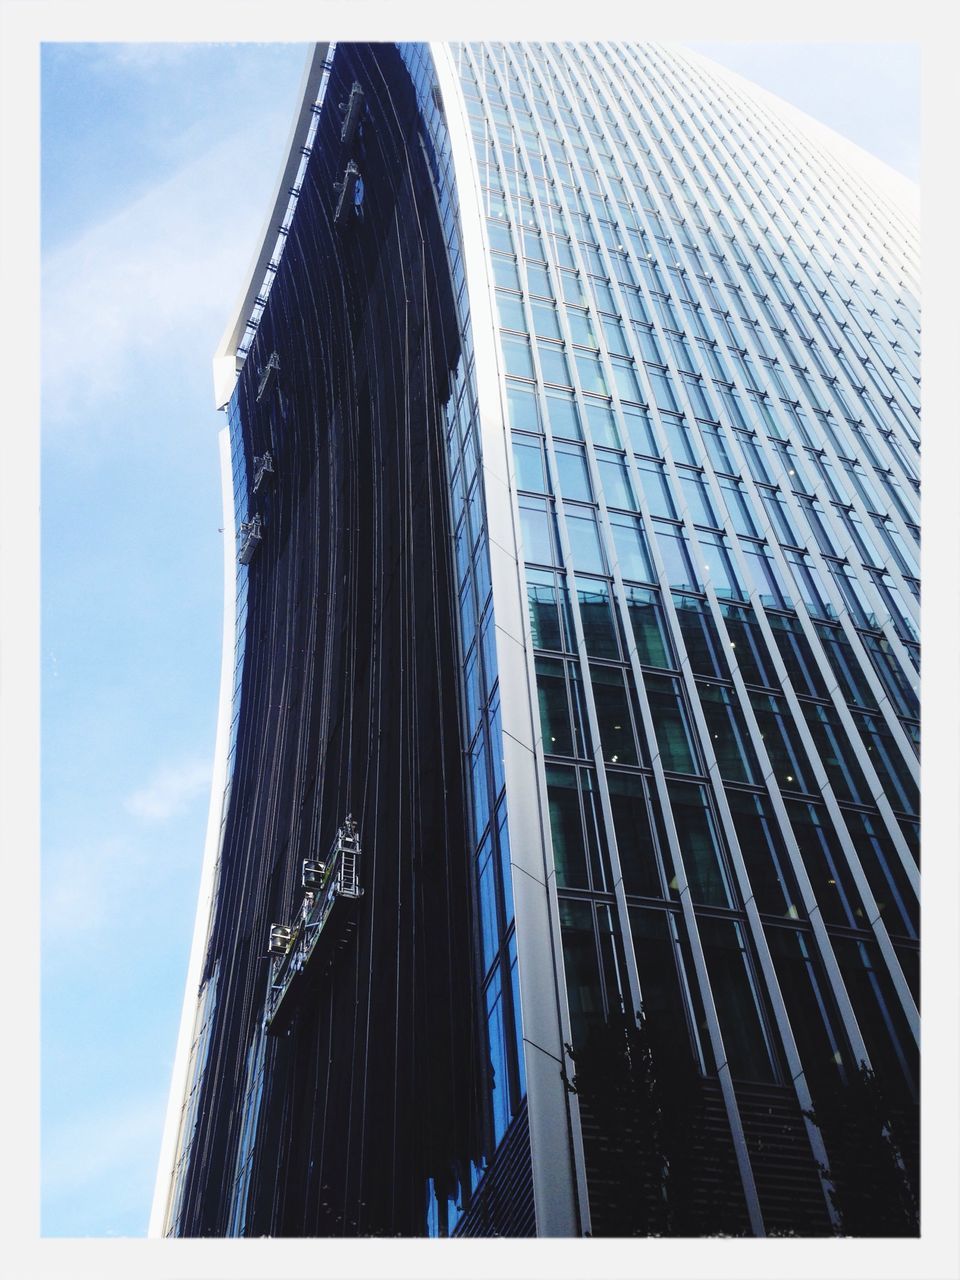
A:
[211,854]
[225,363]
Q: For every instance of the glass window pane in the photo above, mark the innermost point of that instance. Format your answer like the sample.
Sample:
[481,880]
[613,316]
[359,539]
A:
[771,875]
[835,753]
[584,540]
[656,488]
[810,1006]
[662,990]
[701,638]
[554,708]
[581,329]
[649,627]
[728,733]
[747,646]
[553,364]
[566,827]
[635,841]
[640,430]
[581,968]
[615,482]
[563,415]
[678,568]
[592,378]
[699,845]
[545,322]
[516,356]
[596,615]
[510,310]
[602,423]
[528,464]
[523,412]
[825,865]
[537,531]
[614,717]
[505,273]
[697,499]
[718,566]
[489,923]
[894,895]
[499,1058]
[670,723]
[630,543]
[736,999]
[574,480]
[797,656]
[549,610]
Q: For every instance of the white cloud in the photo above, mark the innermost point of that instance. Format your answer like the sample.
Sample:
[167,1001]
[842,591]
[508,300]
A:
[159,276]
[171,790]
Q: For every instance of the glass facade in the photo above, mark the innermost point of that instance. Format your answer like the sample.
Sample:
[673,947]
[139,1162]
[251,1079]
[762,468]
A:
[708,345]
[689,447]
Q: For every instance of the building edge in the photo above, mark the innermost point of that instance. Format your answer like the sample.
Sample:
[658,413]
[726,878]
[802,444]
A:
[177,1099]
[559,1185]
[226,361]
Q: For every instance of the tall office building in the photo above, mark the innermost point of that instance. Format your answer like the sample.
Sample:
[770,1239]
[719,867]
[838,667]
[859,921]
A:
[562,867]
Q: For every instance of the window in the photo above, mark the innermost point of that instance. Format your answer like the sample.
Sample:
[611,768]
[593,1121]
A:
[630,544]
[826,865]
[614,715]
[602,423]
[560,698]
[549,609]
[600,631]
[649,629]
[728,733]
[553,364]
[699,844]
[771,875]
[528,464]
[523,412]
[615,482]
[563,415]
[573,477]
[576,827]
[736,998]
[678,569]
[718,566]
[585,549]
[517,359]
[802,668]
[787,757]
[697,498]
[835,753]
[670,724]
[639,860]
[538,531]
[703,646]
[656,489]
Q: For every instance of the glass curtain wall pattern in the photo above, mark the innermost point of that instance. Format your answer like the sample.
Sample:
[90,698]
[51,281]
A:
[653,433]
[708,356]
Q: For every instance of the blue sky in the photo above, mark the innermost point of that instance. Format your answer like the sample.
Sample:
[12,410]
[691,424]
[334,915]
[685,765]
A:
[157,170]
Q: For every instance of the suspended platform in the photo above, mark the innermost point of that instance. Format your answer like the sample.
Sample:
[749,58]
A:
[302,952]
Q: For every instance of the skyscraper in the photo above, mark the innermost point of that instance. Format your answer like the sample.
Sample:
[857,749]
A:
[562,868]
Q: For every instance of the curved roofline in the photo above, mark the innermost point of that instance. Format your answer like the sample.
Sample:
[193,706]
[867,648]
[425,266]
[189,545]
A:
[226,361]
